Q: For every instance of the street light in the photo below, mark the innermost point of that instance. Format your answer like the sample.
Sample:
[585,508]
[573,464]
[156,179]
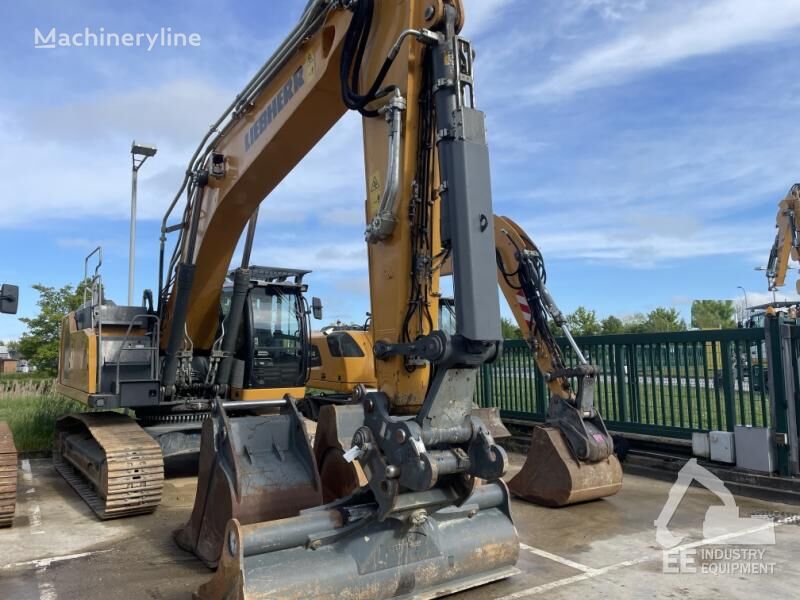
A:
[139,154]
[744,291]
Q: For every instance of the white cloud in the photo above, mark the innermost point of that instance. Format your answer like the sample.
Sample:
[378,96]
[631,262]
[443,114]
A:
[323,257]
[671,36]
[481,14]
[642,247]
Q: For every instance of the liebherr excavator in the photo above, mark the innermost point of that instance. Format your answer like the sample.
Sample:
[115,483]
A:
[419,527]
[571,457]
[110,358]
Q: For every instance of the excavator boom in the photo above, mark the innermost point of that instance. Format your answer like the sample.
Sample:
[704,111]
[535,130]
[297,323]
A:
[419,448]
[571,457]
[786,246]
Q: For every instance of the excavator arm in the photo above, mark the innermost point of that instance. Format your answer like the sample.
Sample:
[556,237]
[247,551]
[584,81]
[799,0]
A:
[571,458]
[786,246]
[405,69]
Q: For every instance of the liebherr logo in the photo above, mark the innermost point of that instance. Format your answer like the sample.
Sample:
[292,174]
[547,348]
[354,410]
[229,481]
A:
[89,38]
[274,107]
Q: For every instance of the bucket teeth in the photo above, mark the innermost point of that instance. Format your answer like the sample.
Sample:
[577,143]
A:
[129,477]
[552,476]
[8,475]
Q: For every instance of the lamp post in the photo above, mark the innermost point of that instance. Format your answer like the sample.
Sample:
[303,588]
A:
[139,154]
[744,291]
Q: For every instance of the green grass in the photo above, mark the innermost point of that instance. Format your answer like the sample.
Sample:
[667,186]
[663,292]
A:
[31,407]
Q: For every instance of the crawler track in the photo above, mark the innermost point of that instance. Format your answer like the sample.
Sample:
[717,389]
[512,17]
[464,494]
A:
[113,464]
[8,475]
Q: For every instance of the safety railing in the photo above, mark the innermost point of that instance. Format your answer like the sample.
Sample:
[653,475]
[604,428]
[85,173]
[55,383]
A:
[666,384]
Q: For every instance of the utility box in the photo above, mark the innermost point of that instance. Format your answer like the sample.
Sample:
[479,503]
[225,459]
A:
[721,446]
[755,449]
[700,447]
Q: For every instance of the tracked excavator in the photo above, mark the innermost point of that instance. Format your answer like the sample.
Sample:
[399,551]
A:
[9,296]
[571,456]
[787,240]
[111,358]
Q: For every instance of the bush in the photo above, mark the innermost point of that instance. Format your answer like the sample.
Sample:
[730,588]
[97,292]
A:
[31,406]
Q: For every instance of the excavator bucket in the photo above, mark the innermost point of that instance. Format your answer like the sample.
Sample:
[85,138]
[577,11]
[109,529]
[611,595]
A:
[8,475]
[490,417]
[252,468]
[341,550]
[335,429]
[553,476]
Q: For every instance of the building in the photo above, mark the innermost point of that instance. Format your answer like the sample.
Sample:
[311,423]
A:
[7,363]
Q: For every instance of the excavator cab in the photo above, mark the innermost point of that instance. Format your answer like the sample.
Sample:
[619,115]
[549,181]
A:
[271,355]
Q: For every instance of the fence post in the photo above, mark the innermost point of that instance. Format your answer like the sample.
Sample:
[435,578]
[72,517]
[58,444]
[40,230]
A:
[781,388]
[727,386]
[486,386]
[634,414]
[622,405]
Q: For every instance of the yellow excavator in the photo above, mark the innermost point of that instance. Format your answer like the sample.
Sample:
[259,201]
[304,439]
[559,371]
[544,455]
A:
[419,526]
[571,457]
[9,296]
[786,246]
[110,358]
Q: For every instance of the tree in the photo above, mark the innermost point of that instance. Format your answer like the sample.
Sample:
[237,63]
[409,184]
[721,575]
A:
[509,330]
[583,322]
[635,323]
[39,344]
[612,324]
[665,319]
[713,314]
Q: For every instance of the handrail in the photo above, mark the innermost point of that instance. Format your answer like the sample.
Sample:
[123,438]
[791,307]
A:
[154,364]
[99,252]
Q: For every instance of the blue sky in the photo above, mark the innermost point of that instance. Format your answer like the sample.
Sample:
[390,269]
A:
[644,145]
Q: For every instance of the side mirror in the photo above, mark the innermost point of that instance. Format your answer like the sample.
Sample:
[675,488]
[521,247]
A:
[316,308]
[9,297]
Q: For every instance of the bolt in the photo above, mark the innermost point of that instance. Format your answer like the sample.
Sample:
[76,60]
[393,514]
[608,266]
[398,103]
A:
[400,436]
[472,513]
[316,544]
[369,405]
[418,517]
[233,544]
[429,12]
[392,472]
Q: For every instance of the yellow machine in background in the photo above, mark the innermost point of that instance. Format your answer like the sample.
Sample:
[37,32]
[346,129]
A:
[787,240]
[571,457]
[341,359]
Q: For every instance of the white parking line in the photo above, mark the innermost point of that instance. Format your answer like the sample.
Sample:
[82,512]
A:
[590,573]
[43,563]
[556,558]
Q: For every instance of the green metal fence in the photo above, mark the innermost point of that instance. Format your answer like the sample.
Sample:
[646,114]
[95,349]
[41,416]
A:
[667,384]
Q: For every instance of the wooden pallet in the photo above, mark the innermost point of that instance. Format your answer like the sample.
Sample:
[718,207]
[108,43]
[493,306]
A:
[8,475]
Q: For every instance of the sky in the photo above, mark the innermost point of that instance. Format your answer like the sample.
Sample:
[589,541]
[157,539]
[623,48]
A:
[644,145]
